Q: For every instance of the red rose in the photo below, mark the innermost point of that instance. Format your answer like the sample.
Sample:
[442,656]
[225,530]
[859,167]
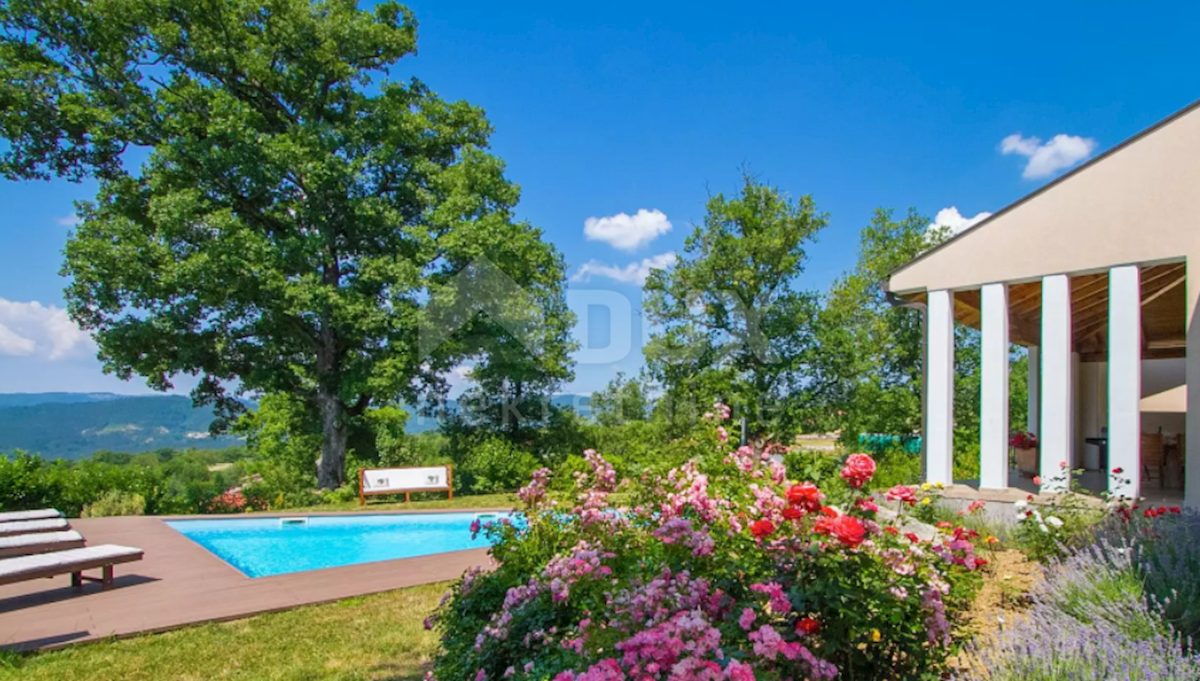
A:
[792,513]
[807,626]
[1118,471]
[891,530]
[859,469]
[1175,509]
[912,537]
[805,497]
[846,529]
[762,528]
[867,505]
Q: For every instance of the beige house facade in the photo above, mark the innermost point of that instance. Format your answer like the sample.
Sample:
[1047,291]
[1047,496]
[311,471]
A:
[1096,274]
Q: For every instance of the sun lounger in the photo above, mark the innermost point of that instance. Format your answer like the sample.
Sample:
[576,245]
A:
[32,526]
[42,542]
[39,514]
[72,562]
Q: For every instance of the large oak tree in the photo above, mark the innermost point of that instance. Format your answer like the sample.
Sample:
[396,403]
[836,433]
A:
[273,213]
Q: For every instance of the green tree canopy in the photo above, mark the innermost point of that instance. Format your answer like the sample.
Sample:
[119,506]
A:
[733,320]
[870,342]
[294,208]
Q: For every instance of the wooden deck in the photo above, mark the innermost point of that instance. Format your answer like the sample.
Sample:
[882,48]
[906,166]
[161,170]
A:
[181,583]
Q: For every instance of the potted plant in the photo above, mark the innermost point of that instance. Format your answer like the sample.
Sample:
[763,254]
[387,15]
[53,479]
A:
[1025,448]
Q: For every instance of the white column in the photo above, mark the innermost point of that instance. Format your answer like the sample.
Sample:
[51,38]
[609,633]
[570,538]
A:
[1191,483]
[1125,380]
[993,389]
[1033,386]
[939,388]
[1057,424]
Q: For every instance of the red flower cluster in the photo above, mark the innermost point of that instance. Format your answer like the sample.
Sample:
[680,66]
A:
[762,528]
[1155,512]
[807,626]
[845,528]
[859,469]
[1023,441]
[805,497]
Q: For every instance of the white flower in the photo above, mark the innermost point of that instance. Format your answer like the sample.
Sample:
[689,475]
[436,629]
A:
[1044,528]
[1020,504]
[1054,522]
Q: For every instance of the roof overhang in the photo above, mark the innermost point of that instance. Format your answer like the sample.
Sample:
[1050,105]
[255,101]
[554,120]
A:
[1135,203]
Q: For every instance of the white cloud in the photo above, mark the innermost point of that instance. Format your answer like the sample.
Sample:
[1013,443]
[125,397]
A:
[950,217]
[13,343]
[71,220]
[627,232]
[42,330]
[633,273]
[1045,159]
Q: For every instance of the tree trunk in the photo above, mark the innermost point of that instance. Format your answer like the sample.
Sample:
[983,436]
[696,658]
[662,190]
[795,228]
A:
[334,436]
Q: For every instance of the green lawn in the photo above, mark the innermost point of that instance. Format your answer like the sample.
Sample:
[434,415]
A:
[372,637]
[433,501]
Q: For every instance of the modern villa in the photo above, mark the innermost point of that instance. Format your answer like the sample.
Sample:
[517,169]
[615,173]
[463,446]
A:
[1091,274]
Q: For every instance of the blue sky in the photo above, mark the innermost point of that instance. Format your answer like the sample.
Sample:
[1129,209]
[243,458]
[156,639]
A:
[603,109]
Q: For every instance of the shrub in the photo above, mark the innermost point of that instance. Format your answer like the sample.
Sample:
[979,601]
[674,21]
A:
[809,464]
[721,569]
[1163,547]
[496,465]
[115,503]
[1096,617]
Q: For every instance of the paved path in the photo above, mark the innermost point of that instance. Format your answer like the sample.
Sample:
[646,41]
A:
[180,583]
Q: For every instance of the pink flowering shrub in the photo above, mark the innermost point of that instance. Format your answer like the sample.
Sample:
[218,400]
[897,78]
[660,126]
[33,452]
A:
[721,569]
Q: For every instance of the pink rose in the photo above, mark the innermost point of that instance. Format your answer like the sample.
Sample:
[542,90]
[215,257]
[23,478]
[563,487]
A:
[859,469]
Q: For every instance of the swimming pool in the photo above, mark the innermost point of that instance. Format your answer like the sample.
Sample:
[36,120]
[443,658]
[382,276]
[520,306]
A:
[261,547]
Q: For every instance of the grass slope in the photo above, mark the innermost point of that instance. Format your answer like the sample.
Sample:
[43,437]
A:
[379,637]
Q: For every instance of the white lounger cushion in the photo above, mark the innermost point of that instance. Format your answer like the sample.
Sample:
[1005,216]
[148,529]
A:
[31,526]
[40,514]
[63,561]
[42,541]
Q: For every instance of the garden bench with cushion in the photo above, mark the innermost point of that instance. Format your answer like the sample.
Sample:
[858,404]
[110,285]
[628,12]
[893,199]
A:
[41,542]
[33,526]
[38,514]
[73,562]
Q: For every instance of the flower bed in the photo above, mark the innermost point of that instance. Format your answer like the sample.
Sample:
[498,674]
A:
[721,569]
[1124,607]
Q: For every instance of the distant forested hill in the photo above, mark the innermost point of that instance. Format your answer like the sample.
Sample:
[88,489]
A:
[75,425]
[33,399]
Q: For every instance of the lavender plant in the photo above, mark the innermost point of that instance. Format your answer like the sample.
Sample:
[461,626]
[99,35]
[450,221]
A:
[1117,609]
[1163,546]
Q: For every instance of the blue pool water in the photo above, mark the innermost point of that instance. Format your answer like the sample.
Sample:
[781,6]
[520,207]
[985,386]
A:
[261,547]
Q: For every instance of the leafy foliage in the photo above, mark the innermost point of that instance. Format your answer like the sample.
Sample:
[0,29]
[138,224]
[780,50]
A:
[734,321]
[295,211]
[166,481]
[718,570]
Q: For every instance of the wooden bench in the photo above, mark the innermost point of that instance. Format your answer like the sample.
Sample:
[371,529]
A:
[42,542]
[34,526]
[72,562]
[38,514]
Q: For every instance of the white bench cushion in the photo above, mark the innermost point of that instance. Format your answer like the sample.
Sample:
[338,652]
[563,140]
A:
[31,526]
[39,514]
[64,561]
[19,540]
